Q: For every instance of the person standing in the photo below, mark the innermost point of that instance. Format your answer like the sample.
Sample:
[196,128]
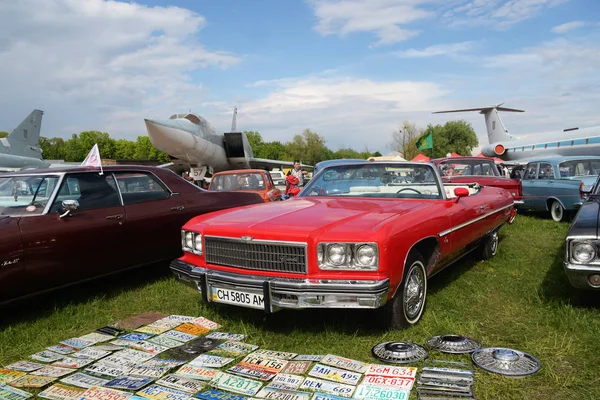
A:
[297,172]
[504,171]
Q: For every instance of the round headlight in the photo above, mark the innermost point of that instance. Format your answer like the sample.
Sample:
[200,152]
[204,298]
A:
[336,253]
[366,255]
[198,243]
[189,240]
[584,252]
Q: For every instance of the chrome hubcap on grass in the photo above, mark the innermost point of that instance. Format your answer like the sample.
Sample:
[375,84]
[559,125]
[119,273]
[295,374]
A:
[399,352]
[505,361]
[454,344]
[414,291]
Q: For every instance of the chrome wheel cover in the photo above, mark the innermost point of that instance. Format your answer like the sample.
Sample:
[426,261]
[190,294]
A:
[453,344]
[399,352]
[505,361]
[414,291]
[557,211]
[494,242]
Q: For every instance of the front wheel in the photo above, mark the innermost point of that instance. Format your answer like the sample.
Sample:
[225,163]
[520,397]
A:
[406,307]
[557,211]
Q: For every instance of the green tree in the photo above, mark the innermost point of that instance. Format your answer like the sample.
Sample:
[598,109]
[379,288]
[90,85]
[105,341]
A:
[404,139]
[453,136]
[74,151]
[144,150]
[3,134]
[272,150]
[106,144]
[309,147]
[53,148]
[124,149]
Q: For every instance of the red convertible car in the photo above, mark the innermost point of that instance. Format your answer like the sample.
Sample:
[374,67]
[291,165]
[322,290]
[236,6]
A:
[61,226]
[359,235]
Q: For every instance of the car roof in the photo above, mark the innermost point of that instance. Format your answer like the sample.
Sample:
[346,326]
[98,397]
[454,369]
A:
[240,171]
[462,158]
[63,170]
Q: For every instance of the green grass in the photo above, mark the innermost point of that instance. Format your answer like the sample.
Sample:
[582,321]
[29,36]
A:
[520,299]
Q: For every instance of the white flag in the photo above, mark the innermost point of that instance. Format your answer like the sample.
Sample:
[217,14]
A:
[93,158]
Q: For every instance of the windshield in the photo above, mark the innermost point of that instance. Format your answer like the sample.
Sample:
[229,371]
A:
[241,181]
[379,180]
[569,169]
[468,168]
[276,175]
[25,195]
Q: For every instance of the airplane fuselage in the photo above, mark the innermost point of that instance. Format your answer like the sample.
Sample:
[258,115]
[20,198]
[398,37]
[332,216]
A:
[10,161]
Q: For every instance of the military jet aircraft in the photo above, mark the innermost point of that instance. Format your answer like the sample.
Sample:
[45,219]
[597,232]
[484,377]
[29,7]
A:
[568,142]
[190,140]
[21,148]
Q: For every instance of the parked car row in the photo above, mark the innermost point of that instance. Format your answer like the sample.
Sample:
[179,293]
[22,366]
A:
[359,235]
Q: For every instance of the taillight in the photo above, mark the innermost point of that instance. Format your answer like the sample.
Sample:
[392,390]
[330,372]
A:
[581,193]
[520,190]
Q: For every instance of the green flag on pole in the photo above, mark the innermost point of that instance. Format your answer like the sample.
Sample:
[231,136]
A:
[425,142]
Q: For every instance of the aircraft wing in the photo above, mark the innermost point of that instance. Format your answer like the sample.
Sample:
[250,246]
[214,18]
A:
[263,163]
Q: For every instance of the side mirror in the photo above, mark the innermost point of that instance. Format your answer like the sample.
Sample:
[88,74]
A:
[69,206]
[460,192]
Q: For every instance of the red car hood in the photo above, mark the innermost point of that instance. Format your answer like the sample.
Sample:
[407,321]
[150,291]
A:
[297,219]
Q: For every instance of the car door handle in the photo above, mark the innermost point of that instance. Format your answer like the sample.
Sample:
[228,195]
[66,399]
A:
[178,208]
[483,207]
[118,216]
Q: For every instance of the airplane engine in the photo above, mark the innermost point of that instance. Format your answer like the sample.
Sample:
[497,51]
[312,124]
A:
[238,150]
[493,150]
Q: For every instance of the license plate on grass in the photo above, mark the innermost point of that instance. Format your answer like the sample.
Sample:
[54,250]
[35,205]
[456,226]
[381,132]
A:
[236,384]
[238,298]
[368,392]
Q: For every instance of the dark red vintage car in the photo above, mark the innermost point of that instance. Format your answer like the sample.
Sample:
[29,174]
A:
[61,226]
[477,169]
[359,235]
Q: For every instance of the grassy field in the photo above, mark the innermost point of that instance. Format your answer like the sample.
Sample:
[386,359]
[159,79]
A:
[519,299]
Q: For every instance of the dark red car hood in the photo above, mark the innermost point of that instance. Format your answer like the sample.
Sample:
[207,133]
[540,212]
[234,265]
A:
[298,218]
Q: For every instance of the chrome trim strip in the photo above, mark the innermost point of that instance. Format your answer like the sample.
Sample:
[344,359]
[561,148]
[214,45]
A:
[447,231]
[261,241]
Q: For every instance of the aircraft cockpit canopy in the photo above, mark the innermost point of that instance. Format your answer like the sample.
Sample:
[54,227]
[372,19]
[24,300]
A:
[189,116]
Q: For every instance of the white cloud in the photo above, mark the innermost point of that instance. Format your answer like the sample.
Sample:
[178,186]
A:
[88,61]
[447,49]
[569,26]
[383,17]
[496,13]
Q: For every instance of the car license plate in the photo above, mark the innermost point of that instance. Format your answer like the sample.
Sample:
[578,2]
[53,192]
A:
[90,353]
[102,393]
[46,356]
[180,383]
[279,394]
[164,341]
[107,370]
[191,329]
[148,372]
[77,343]
[62,392]
[234,348]
[157,362]
[207,360]
[212,394]
[249,372]
[402,383]
[296,367]
[338,389]
[157,392]
[128,382]
[97,337]
[55,372]
[323,396]
[226,336]
[153,329]
[391,372]
[70,362]
[60,349]
[375,392]
[179,336]
[345,363]
[236,384]
[238,298]
[26,366]
[282,355]
[6,375]
[203,374]
[11,393]
[148,347]
[308,357]
[32,381]
[335,374]
[286,382]
[84,381]
[206,323]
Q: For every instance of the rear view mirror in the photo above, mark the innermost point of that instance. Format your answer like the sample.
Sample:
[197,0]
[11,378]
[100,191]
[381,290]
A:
[460,192]
[68,206]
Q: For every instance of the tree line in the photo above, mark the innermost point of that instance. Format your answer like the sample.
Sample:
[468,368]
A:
[309,146]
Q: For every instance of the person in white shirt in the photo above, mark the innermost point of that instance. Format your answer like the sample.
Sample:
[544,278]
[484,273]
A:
[297,172]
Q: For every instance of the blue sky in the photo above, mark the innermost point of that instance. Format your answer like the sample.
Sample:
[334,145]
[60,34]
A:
[350,70]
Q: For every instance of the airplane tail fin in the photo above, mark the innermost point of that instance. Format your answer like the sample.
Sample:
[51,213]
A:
[28,131]
[496,130]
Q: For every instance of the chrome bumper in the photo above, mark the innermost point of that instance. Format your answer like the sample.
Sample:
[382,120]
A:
[279,293]
[518,202]
[578,275]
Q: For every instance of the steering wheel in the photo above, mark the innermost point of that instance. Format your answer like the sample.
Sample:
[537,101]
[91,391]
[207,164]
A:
[414,190]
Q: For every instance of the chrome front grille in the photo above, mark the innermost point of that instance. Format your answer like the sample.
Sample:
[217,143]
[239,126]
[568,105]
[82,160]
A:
[256,254]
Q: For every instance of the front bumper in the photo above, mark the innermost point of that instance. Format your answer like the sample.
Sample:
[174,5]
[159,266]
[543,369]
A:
[278,293]
[579,275]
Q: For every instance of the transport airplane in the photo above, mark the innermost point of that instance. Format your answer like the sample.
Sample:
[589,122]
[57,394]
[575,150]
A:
[569,142]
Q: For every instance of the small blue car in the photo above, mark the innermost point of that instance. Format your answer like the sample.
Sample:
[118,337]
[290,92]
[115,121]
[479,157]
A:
[556,184]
